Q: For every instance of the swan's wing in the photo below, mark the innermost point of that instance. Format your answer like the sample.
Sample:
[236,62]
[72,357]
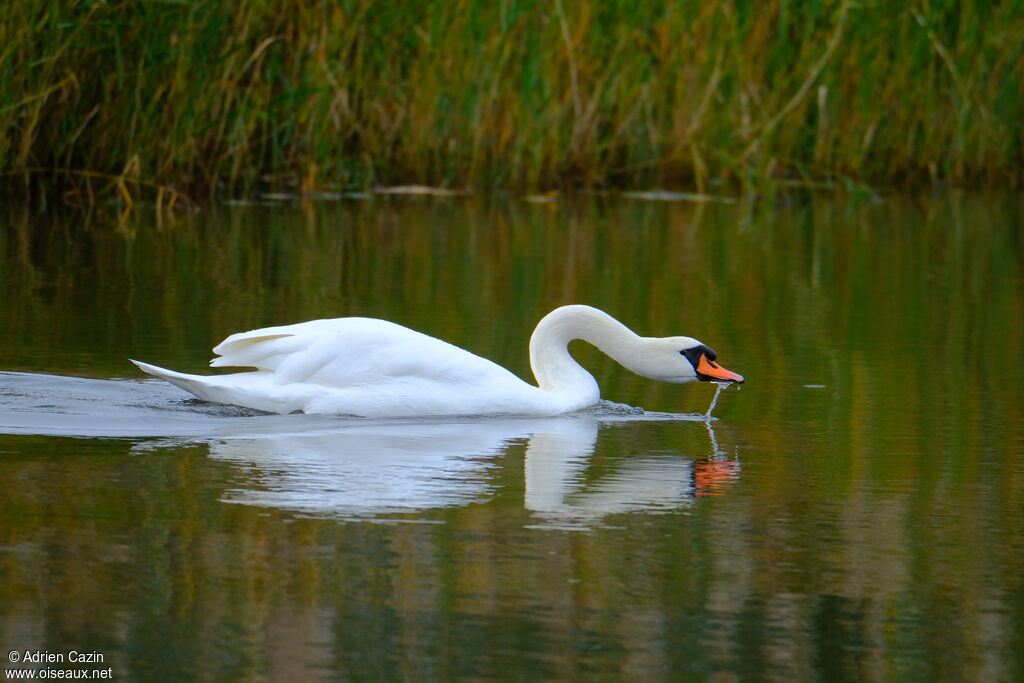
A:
[267,347]
[348,352]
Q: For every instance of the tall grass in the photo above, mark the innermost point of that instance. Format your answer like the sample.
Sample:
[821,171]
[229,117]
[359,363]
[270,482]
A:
[212,97]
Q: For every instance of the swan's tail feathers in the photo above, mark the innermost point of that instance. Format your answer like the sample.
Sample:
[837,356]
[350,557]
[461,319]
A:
[193,384]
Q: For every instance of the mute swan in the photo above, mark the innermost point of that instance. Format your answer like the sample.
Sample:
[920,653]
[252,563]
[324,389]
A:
[376,368]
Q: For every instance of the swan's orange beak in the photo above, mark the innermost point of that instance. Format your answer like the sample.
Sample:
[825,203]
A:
[710,371]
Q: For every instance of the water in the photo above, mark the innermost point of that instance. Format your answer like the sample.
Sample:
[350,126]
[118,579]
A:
[856,511]
[714,399]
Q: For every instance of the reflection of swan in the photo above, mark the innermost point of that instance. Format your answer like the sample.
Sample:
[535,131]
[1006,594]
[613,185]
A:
[376,467]
[555,465]
[555,488]
[375,368]
[370,468]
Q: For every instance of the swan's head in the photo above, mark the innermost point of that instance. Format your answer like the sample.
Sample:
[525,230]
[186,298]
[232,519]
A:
[680,359]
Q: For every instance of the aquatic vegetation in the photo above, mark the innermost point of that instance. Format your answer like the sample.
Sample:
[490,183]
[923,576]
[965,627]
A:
[207,98]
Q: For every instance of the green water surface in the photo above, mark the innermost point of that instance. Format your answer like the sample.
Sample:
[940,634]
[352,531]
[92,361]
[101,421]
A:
[855,512]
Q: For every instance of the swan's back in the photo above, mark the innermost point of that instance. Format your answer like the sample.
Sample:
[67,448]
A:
[353,351]
[301,350]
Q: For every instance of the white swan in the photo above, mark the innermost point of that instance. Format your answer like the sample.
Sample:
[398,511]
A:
[375,368]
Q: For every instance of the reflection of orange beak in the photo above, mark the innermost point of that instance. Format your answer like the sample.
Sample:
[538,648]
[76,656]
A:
[710,371]
[711,477]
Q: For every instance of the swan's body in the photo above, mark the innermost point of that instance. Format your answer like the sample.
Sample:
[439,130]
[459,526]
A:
[375,368]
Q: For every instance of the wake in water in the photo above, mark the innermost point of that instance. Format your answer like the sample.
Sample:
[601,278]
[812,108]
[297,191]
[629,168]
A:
[612,409]
[75,406]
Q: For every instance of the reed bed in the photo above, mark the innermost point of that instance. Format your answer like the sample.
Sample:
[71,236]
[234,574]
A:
[174,98]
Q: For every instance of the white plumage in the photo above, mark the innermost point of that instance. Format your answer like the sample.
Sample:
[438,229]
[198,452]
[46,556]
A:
[376,368]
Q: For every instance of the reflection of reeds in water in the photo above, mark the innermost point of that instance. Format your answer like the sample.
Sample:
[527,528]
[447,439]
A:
[775,293]
[868,512]
[200,96]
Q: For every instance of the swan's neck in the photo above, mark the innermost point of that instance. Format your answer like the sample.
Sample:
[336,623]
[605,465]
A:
[556,370]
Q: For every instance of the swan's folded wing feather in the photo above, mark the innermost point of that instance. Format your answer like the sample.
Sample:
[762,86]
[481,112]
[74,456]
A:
[263,352]
[268,347]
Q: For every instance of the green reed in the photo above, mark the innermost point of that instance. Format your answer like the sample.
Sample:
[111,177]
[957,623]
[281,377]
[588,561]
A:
[211,98]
